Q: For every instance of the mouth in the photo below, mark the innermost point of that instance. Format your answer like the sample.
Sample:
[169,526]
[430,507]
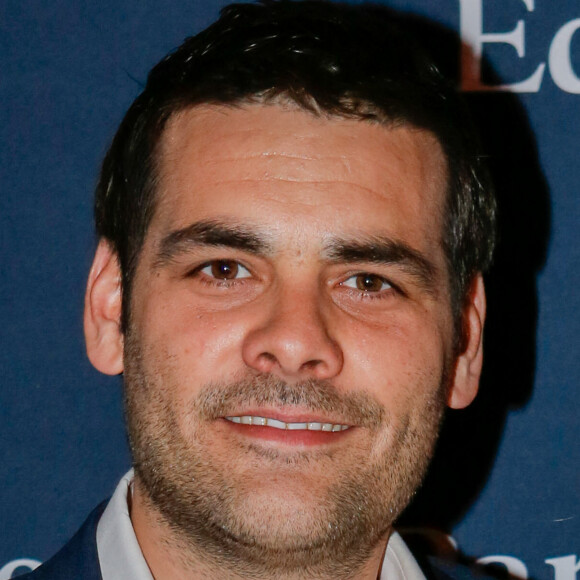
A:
[287,426]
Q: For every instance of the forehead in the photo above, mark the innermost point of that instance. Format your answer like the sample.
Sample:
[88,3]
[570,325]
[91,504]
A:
[274,166]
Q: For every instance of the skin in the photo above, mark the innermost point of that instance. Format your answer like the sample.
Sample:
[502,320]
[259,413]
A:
[362,329]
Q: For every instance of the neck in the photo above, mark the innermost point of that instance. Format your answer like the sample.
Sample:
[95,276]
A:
[170,557]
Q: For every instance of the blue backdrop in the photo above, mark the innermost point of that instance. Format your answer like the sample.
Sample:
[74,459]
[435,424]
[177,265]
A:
[505,482]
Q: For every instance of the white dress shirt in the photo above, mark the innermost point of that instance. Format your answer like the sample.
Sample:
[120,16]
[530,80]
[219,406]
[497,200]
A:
[120,556]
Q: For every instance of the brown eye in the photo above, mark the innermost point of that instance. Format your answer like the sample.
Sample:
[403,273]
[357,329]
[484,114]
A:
[367,283]
[224,269]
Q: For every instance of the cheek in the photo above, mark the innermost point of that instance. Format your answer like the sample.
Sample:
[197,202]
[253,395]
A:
[399,362]
[197,340]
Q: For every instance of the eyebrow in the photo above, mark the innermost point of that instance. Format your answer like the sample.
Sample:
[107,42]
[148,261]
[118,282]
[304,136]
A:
[210,233]
[384,250]
[370,249]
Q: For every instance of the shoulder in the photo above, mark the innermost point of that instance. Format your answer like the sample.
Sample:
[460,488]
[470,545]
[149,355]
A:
[441,561]
[441,569]
[78,558]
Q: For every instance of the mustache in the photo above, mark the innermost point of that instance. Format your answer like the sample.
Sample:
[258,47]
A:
[219,399]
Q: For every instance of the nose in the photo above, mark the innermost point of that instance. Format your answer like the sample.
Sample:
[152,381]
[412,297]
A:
[293,340]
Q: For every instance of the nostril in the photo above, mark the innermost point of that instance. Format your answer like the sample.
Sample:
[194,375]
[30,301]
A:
[269,357]
[311,364]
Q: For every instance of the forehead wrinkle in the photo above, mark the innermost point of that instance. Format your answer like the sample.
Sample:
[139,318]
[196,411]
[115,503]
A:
[314,182]
[282,166]
[268,155]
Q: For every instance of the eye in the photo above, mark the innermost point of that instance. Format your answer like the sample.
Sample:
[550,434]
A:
[225,270]
[367,282]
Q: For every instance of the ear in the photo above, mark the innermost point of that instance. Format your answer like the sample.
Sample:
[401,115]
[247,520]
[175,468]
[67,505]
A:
[102,320]
[468,365]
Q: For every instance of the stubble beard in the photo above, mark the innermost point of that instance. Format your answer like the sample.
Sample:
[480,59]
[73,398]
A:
[211,513]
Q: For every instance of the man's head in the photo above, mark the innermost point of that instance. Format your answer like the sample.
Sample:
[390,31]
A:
[297,220]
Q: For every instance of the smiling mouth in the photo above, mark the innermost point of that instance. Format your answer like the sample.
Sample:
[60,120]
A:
[276,424]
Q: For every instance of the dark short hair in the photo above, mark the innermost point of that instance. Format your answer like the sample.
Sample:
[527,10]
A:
[330,59]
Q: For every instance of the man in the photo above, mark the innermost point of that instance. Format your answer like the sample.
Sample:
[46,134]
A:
[294,222]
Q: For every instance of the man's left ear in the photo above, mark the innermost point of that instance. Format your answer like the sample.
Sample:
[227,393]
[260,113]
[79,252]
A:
[102,320]
[468,364]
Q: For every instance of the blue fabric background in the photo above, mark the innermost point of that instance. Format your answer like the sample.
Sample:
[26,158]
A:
[506,481]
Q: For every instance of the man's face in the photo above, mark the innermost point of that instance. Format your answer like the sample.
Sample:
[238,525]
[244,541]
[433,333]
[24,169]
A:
[293,273]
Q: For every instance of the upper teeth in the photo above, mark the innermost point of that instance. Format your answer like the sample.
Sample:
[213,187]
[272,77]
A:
[267,422]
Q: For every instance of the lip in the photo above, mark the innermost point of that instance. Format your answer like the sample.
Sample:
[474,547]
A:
[286,438]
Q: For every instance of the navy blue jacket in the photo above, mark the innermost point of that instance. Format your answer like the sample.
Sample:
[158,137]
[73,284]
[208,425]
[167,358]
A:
[78,559]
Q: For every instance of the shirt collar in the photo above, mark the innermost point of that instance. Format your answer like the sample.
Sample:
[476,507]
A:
[119,553]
